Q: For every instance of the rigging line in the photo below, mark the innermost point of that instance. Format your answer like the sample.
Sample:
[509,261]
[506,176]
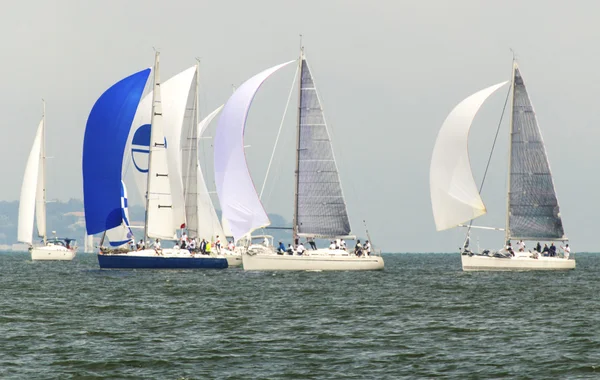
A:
[287,104]
[495,138]
[487,166]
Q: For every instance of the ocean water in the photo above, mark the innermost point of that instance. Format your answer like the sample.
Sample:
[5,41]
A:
[422,317]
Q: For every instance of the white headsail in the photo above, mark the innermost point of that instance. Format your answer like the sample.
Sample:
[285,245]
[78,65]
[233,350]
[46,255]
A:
[29,188]
[175,93]
[159,204]
[208,221]
[454,195]
[239,200]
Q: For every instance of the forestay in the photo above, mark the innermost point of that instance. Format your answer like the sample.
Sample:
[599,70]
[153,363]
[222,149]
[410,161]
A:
[533,206]
[455,197]
[104,143]
[321,209]
[29,188]
[239,200]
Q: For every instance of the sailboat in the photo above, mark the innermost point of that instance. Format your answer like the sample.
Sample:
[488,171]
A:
[319,205]
[33,202]
[202,222]
[532,211]
[105,140]
[88,243]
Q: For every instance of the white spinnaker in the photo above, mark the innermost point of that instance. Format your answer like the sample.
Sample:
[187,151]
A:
[455,197]
[29,189]
[174,93]
[239,200]
[159,213]
[208,221]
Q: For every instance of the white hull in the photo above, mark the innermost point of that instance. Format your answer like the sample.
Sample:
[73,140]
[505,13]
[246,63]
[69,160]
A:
[233,259]
[486,263]
[52,252]
[321,260]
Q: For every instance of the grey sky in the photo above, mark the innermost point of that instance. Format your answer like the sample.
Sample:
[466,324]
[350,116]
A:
[388,73]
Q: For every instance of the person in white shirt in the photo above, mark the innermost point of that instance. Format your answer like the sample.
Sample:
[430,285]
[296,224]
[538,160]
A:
[567,251]
[343,244]
[300,249]
[266,242]
[132,245]
[521,246]
[231,246]
[332,246]
[218,244]
[367,248]
[156,246]
[192,245]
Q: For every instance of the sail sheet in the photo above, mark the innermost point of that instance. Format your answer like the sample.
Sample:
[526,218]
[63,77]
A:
[533,206]
[29,188]
[104,143]
[321,206]
[239,200]
[175,95]
[159,211]
[455,197]
[209,226]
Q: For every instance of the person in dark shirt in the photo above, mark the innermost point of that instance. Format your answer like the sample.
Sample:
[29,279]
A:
[546,250]
[552,250]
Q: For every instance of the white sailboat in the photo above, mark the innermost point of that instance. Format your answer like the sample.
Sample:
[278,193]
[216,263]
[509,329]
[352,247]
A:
[161,211]
[33,202]
[532,206]
[319,205]
[89,243]
[202,222]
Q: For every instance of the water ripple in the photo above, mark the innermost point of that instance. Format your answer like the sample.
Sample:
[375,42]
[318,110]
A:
[420,318]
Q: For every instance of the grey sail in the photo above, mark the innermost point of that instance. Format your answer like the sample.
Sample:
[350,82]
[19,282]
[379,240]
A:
[533,206]
[321,209]
[189,162]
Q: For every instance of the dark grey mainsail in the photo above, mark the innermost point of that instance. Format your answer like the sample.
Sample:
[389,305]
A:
[320,206]
[532,204]
[189,160]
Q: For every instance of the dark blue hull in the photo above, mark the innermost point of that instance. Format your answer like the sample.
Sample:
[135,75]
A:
[137,262]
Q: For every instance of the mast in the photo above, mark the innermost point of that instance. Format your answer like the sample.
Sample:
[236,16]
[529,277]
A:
[296,173]
[43,168]
[510,135]
[156,84]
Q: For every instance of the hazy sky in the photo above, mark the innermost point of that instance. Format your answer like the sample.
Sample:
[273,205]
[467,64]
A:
[388,73]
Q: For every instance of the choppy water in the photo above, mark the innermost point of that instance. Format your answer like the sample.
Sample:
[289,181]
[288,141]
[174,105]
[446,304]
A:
[422,317]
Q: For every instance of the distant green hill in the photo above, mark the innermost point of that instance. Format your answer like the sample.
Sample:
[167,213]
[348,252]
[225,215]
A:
[67,219]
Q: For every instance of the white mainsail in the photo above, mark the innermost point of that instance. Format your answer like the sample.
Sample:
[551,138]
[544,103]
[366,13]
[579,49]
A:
[29,189]
[40,197]
[454,195]
[159,204]
[239,200]
[174,92]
